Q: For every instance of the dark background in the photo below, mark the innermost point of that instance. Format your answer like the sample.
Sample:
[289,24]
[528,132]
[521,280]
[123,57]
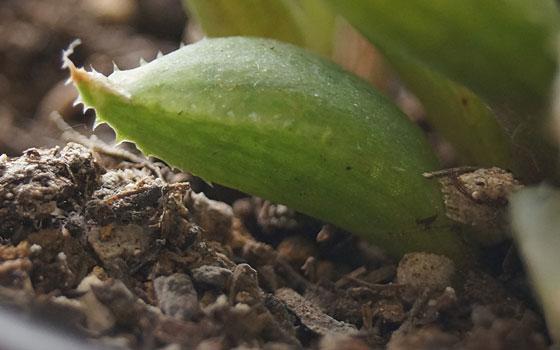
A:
[33,34]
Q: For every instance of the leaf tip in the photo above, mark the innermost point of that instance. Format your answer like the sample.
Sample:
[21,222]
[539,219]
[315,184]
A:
[79,76]
[76,74]
[66,61]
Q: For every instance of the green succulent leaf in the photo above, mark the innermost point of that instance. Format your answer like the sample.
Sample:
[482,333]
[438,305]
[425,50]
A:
[457,113]
[307,23]
[536,223]
[282,123]
[318,24]
[460,116]
[248,18]
[505,51]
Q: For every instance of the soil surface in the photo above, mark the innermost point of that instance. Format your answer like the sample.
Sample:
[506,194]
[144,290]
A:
[101,248]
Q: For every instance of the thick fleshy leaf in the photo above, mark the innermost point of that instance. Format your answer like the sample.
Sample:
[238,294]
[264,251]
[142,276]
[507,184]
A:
[282,123]
[460,116]
[305,23]
[455,112]
[318,23]
[535,215]
[503,50]
[248,17]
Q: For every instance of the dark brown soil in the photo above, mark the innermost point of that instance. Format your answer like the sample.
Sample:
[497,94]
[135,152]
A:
[114,251]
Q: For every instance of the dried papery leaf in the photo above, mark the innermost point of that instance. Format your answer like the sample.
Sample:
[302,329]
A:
[536,223]
[478,197]
[282,123]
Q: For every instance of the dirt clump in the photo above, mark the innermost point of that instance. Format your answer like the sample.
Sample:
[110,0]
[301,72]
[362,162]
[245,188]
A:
[127,256]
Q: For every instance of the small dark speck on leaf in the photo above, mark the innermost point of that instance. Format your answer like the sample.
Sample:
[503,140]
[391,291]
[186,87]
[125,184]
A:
[348,167]
[180,112]
[426,221]
[464,101]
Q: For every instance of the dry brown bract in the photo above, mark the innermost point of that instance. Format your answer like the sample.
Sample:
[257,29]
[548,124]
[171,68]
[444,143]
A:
[478,197]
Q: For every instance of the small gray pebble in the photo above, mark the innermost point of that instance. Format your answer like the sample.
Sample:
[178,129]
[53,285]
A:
[176,296]
[424,270]
[213,276]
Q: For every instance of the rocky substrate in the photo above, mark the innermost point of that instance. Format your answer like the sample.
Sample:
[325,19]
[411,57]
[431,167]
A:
[127,256]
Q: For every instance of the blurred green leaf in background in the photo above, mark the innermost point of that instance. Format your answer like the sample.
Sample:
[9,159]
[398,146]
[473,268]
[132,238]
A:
[503,50]
[307,23]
